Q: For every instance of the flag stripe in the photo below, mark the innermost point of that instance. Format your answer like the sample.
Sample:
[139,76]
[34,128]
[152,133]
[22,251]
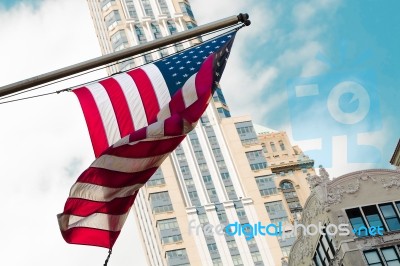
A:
[127,165]
[84,208]
[189,95]
[120,106]
[106,111]
[90,236]
[115,179]
[92,116]
[135,104]
[159,85]
[100,193]
[147,94]
[102,221]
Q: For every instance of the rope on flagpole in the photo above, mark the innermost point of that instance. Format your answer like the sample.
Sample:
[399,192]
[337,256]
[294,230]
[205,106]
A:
[108,257]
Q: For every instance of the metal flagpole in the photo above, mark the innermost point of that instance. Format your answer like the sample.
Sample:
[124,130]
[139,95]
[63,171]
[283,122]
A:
[109,58]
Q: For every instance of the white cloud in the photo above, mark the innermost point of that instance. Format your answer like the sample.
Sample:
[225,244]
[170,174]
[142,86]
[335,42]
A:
[44,142]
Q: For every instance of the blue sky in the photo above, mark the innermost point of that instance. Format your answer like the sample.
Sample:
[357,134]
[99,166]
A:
[8,4]
[346,47]
[290,47]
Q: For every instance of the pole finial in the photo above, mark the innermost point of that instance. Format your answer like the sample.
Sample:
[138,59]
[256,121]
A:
[244,18]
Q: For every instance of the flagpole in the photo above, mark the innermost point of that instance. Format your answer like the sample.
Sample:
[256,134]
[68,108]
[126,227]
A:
[109,58]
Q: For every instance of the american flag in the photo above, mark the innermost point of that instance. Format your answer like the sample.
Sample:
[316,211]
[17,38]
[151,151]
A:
[135,120]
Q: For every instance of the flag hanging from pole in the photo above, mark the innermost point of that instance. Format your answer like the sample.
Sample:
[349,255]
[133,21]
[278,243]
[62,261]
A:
[135,120]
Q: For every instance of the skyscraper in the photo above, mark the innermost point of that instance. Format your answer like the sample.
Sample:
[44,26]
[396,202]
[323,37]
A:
[223,173]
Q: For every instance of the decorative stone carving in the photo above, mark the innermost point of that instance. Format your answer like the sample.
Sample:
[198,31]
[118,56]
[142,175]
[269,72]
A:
[284,262]
[393,181]
[335,194]
[316,180]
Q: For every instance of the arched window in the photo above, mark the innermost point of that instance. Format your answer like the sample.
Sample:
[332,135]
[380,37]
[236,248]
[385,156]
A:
[289,191]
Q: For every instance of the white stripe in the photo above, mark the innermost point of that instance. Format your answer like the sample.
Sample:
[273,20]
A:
[133,99]
[159,85]
[101,221]
[155,130]
[99,193]
[189,91]
[106,111]
[127,165]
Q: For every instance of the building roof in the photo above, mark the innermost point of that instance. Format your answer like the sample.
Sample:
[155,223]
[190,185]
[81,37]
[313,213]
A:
[263,130]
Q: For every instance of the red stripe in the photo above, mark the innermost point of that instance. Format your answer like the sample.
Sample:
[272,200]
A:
[204,84]
[82,207]
[151,148]
[90,236]
[94,123]
[177,103]
[108,178]
[120,106]
[147,94]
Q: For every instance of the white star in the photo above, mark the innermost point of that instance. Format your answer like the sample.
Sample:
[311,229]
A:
[195,56]
[229,36]
[181,67]
[188,62]
[171,68]
[217,46]
[184,56]
[223,41]
[218,64]
[167,62]
[217,74]
[174,75]
[178,62]
[186,75]
[178,83]
[208,46]
[192,68]
[204,57]
[227,50]
[198,63]
[201,51]
[198,47]
[214,41]
[174,58]
[191,52]
[210,52]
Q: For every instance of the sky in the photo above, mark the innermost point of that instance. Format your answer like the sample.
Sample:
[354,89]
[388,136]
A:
[324,71]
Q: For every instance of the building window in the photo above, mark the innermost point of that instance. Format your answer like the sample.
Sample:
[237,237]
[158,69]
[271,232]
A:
[384,216]
[160,202]
[163,7]
[190,25]
[282,145]
[217,262]
[291,197]
[237,260]
[274,207]
[147,8]
[273,148]
[131,9]
[373,257]
[177,256]
[212,247]
[155,29]
[171,26]
[186,9]
[156,179]
[357,221]
[207,179]
[169,231]
[390,216]
[391,256]
[256,256]
[246,132]
[140,34]
[256,160]
[266,185]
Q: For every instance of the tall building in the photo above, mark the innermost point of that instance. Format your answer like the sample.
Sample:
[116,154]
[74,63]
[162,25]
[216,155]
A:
[223,173]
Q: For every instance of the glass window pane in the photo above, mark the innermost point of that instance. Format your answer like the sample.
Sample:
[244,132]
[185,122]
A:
[357,221]
[372,215]
[373,257]
[390,216]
